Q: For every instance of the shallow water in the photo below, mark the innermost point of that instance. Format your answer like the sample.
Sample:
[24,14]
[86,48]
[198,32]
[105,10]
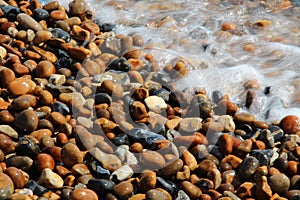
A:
[190,29]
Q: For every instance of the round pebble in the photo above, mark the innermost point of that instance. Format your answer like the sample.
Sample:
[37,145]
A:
[20,86]
[290,124]
[279,183]
[6,186]
[26,121]
[71,155]
[81,193]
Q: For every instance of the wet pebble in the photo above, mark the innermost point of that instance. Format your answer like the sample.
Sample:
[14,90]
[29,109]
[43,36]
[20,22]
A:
[27,147]
[157,194]
[81,193]
[152,159]
[71,155]
[22,162]
[18,177]
[248,167]
[28,22]
[290,124]
[279,183]
[123,189]
[50,179]
[21,86]
[40,14]
[100,186]
[6,186]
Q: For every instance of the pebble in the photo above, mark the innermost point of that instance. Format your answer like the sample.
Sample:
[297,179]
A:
[191,124]
[248,167]
[191,190]
[43,161]
[152,159]
[40,14]
[147,180]
[82,193]
[290,124]
[26,121]
[21,86]
[9,131]
[50,179]
[28,22]
[7,75]
[108,161]
[171,169]
[18,177]
[143,136]
[157,194]
[263,190]
[156,104]
[6,186]
[22,162]
[123,189]
[71,155]
[122,173]
[279,183]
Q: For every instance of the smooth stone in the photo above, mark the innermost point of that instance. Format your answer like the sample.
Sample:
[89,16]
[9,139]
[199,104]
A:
[182,196]
[267,137]
[292,194]
[155,194]
[215,176]
[7,145]
[71,155]
[295,182]
[190,124]
[44,161]
[22,162]
[82,193]
[281,164]
[263,156]
[277,132]
[191,190]
[279,183]
[40,14]
[227,122]
[108,161]
[61,34]
[18,177]
[10,12]
[122,173]
[290,124]
[226,143]
[20,86]
[61,108]
[120,64]
[205,166]
[26,121]
[137,197]
[248,167]
[147,180]
[143,136]
[171,168]
[189,160]
[116,76]
[6,186]
[9,131]
[28,22]
[44,69]
[155,104]
[204,184]
[35,187]
[167,185]
[100,186]
[263,190]
[121,139]
[50,179]
[123,189]
[152,159]
[27,147]
[98,170]
[244,118]
[243,148]
[77,7]
[7,75]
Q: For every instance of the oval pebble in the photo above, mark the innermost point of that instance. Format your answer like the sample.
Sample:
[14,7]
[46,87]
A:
[28,22]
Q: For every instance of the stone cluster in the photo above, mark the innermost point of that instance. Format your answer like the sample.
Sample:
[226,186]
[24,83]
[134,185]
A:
[86,114]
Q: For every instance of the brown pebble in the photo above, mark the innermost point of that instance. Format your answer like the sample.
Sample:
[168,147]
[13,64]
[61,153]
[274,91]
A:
[6,186]
[171,169]
[205,197]
[191,190]
[6,76]
[225,143]
[123,189]
[246,190]
[147,180]
[57,118]
[290,124]
[244,118]
[136,147]
[292,168]
[26,121]
[71,155]
[20,86]
[43,161]
[82,193]
[152,159]
[17,176]
[58,15]
[44,69]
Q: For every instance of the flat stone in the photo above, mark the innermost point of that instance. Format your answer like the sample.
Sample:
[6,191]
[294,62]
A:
[156,104]
[109,161]
[244,118]
[9,131]
[263,190]
[6,186]
[50,179]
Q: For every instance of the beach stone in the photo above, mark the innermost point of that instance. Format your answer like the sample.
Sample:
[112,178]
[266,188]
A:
[23,102]
[42,36]
[191,190]
[182,196]
[123,189]
[27,147]
[295,180]
[20,86]
[50,179]
[157,194]
[188,140]
[244,118]
[100,186]
[171,169]
[225,143]
[246,190]
[156,104]
[248,167]
[167,185]
[279,183]
[143,136]
[139,110]
[6,75]
[57,119]
[108,161]
[71,155]
[263,190]
[77,7]
[147,180]
[122,173]
[267,137]
[138,197]
[22,162]
[263,156]
[189,160]
[43,161]
[26,121]
[244,148]
[292,194]
[18,177]
[190,124]
[82,193]
[152,159]
[44,69]
[227,122]
[40,14]
[215,176]
[204,184]
[28,22]
[290,124]
[6,186]
[7,145]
